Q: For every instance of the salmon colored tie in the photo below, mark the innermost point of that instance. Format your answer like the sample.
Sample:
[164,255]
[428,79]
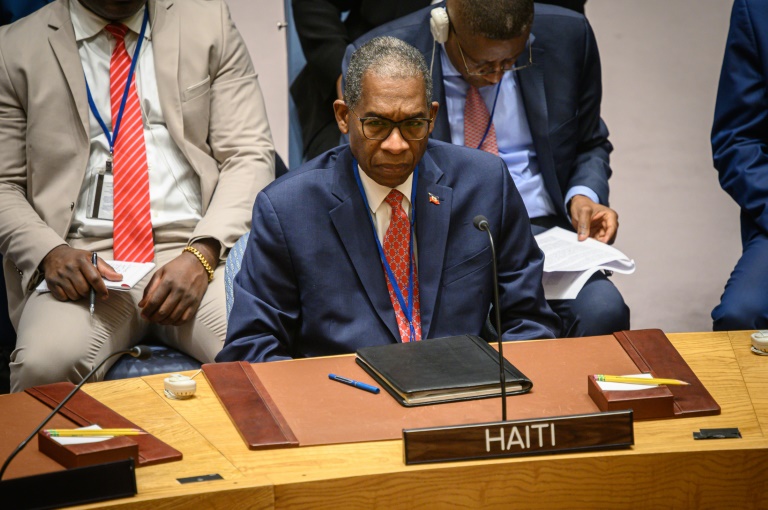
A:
[476,118]
[397,250]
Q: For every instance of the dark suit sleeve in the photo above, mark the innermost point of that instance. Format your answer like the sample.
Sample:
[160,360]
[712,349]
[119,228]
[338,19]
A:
[591,167]
[525,313]
[266,307]
[322,34]
[740,128]
[13,10]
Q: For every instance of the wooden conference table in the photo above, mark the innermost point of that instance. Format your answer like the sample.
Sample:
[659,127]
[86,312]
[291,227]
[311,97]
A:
[666,468]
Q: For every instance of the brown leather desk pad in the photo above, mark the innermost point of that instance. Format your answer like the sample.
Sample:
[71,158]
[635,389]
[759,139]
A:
[319,411]
[20,413]
[85,410]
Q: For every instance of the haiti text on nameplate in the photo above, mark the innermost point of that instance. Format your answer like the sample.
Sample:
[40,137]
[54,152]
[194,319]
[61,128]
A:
[560,434]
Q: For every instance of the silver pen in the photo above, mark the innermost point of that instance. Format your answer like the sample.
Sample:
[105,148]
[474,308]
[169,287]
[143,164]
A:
[94,261]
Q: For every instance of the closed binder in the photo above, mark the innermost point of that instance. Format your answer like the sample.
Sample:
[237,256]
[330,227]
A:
[440,370]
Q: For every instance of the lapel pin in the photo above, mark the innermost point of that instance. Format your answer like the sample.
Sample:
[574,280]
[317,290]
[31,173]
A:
[434,199]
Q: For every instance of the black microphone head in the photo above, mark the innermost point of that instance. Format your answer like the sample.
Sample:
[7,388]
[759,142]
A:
[480,222]
[141,352]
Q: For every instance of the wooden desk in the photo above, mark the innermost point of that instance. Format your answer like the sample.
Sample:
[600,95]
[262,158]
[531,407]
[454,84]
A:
[665,469]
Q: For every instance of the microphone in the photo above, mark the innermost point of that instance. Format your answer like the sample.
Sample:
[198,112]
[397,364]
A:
[139,351]
[481,223]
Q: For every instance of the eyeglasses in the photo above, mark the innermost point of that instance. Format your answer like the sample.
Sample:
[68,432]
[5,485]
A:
[379,128]
[494,68]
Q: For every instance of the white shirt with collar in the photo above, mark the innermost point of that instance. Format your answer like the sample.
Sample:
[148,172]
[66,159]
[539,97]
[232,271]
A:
[380,210]
[174,187]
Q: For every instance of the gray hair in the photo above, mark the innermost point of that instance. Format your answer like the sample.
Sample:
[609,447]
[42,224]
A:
[384,57]
[496,19]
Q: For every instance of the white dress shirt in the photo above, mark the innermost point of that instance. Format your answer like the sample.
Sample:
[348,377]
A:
[380,210]
[174,187]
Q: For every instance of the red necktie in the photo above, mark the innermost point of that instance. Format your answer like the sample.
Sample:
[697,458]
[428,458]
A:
[132,221]
[397,249]
[476,118]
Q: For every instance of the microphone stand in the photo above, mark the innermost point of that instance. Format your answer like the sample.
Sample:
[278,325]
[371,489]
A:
[139,351]
[481,223]
[612,429]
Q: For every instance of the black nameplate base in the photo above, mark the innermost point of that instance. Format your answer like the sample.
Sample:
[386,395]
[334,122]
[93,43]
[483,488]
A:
[76,486]
[560,434]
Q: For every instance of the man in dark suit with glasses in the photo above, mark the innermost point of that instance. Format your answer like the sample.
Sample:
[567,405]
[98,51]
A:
[373,242]
[527,87]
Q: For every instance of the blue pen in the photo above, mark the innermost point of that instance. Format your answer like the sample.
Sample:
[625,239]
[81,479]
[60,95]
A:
[356,384]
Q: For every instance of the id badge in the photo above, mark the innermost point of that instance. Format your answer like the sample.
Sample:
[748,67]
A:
[100,204]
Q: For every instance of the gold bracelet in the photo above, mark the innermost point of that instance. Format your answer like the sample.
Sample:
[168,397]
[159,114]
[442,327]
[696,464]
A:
[201,258]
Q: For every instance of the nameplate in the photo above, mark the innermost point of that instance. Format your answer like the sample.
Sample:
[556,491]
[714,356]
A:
[540,436]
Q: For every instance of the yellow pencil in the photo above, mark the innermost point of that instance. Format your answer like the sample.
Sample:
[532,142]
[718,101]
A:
[93,432]
[639,380]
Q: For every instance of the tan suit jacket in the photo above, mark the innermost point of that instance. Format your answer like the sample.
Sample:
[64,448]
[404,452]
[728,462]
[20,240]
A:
[210,98]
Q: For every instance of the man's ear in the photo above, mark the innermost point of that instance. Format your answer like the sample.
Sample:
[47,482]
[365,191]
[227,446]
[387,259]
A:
[341,111]
[434,107]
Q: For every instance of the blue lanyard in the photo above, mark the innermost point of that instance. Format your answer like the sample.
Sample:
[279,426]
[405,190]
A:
[407,310]
[493,110]
[112,137]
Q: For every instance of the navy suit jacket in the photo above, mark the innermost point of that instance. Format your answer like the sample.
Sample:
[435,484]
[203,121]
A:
[562,92]
[740,128]
[312,282]
[12,10]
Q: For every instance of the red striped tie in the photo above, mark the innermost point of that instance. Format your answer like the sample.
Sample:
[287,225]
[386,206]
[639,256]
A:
[132,221]
[397,250]
[476,118]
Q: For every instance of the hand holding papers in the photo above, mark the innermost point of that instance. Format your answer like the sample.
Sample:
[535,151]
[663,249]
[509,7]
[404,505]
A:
[133,273]
[569,263]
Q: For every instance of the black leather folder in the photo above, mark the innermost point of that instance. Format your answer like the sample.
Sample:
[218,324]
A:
[440,370]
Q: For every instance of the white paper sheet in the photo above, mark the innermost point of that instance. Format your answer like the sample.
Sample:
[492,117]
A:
[617,386]
[569,263]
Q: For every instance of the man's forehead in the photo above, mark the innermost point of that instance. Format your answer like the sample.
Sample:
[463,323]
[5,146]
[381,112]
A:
[387,93]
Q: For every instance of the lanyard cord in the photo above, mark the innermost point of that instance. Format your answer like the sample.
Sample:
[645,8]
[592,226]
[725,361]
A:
[493,110]
[112,137]
[407,310]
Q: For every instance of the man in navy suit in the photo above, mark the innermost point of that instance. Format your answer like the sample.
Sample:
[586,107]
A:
[740,150]
[539,79]
[324,273]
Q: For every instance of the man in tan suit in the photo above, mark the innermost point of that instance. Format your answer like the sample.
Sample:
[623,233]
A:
[208,152]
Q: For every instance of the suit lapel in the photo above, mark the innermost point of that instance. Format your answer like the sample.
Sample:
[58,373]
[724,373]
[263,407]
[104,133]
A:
[433,218]
[165,50]
[350,219]
[62,40]
[534,97]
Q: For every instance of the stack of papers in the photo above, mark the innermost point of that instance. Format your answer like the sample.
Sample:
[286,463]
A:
[569,263]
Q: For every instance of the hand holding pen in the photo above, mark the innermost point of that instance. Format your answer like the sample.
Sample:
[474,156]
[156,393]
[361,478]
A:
[71,275]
